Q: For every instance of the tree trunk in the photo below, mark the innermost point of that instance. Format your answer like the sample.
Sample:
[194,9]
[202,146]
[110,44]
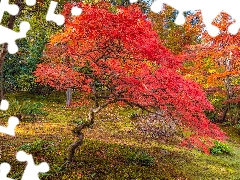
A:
[72,147]
[77,131]
[228,88]
[3,54]
[4,46]
[238,112]
[69,97]
[224,114]
[228,92]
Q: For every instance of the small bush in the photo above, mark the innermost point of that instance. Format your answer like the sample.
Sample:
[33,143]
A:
[32,108]
[219,148]
[141,158]
[26,82]
[26,108]
[133,115]
[37,146]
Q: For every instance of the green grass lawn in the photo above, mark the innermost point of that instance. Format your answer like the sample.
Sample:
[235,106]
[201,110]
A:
[113,148]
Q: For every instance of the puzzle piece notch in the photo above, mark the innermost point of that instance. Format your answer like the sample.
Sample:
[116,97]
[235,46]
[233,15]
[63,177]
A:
[4,170]
[30,2]
[133,1]
[10,129]
[157,6]
[76,11]
[9,36]
[233,28]
[31,171]
[209,10]
[51,16]
[212,30]
[12,9]
[58,18]
[4,105]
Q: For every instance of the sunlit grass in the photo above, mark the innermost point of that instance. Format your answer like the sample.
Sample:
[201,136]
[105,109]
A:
[107,145]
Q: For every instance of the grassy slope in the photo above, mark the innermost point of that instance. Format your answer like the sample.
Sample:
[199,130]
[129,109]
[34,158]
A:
[107,145]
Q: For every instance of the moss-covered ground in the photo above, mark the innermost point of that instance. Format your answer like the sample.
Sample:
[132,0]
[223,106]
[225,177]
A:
[113,148]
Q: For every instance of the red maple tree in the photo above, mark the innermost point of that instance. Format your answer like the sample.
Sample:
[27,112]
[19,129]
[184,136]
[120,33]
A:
[113,55]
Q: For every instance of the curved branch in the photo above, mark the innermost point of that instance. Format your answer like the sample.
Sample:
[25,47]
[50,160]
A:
[78,130]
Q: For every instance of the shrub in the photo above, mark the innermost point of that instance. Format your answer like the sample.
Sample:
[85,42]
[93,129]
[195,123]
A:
[26,82]
[140,158]
[26,108]
[219,148]
[133,115]
[37,146]
[32,108]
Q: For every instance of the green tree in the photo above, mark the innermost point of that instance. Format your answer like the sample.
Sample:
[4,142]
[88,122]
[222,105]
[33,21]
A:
[16,69]
[173,36]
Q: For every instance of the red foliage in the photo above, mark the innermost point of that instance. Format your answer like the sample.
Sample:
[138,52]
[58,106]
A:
[120,51]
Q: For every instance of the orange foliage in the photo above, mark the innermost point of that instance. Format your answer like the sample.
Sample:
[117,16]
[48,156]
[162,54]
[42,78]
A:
[211,62]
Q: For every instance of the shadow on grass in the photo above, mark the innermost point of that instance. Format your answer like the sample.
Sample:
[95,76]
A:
[102,159]
[93,160]
[99,160]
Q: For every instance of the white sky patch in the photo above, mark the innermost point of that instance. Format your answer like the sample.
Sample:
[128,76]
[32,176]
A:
[210,10]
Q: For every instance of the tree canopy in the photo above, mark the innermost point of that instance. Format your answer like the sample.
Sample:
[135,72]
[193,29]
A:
[114,55]
[215,63]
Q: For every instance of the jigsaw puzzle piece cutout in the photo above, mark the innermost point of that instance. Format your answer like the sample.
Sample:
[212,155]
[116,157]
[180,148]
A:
[133,1]
[210,10]
[9,36]
[4,170]
[10,129]
[51,16]
[4,105]
[234,28]
[208,18]
[30,2]
[31,171]
[12,9]
[157,6]
[180,20]
[208,13]
[76,11]
[181,6]
[232,8]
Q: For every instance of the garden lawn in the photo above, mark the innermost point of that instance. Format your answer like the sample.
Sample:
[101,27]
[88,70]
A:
[113,148]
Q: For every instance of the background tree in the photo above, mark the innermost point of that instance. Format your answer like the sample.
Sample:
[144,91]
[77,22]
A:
[215,65]
[112,54]
[16,69]
[9,23]
[173,36]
